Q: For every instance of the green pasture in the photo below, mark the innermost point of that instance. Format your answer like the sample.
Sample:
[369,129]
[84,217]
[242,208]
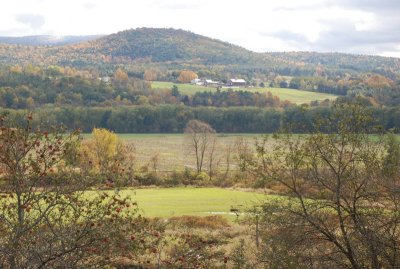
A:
[170,202]
[292,95]
[183,88]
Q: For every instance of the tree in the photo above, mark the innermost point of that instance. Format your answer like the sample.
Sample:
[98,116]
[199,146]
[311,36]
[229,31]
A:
[212,162]
[150,75]
[109,156]
[120,76]
[30,103]
[244,154]
[283,84]
[175,91]
[104,145]
[296,83]
[47,219]
[186,76]
[342,208]
[200,136]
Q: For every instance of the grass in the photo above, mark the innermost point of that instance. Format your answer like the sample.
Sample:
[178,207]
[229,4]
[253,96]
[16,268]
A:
[292,95]
[171,202]
[172,150]
[183,88]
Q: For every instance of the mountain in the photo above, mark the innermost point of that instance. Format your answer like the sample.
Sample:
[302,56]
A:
[164,45]
[177,49]
[43,40]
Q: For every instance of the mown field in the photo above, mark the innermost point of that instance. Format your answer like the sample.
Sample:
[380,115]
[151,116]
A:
[292,95]
[170,202]
[172,151]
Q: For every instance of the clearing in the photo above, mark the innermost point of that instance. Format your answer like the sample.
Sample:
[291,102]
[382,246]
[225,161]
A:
[292,95]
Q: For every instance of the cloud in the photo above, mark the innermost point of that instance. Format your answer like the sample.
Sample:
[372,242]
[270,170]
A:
[175,5]
[33,20]
[343,36]
[369,5]
[89,5]
[360,26]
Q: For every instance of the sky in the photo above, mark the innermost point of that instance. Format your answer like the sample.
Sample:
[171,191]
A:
[352,26]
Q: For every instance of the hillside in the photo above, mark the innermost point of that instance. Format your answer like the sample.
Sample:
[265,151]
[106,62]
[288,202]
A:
[177,49]
[164,45]
[341,61]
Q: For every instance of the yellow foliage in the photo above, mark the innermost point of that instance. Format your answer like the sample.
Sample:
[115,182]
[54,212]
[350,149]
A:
[186,76]
[16,69]
[105,142]
[33,70]
[102,149]
[120,75]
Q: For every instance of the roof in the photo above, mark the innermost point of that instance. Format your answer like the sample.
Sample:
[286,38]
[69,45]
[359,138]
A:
[237,80]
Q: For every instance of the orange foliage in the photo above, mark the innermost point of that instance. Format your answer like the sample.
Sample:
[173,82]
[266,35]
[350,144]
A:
[120,75]
[186,76]
[378,81]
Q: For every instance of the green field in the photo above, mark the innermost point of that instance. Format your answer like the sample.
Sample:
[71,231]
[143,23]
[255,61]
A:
[169,202]
[292,95]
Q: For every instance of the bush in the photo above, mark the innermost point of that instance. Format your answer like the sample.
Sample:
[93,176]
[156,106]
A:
[210,222]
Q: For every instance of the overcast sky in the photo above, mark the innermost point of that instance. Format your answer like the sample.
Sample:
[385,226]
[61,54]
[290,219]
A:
[355,26]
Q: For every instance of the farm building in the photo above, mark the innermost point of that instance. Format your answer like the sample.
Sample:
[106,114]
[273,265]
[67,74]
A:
[210,82]
[237,82]
[196,81]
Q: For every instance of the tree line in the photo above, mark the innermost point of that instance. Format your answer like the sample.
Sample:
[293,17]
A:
[173,118]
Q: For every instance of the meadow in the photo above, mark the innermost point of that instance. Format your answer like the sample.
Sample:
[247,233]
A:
[172,151]
[292,95]
[190,201]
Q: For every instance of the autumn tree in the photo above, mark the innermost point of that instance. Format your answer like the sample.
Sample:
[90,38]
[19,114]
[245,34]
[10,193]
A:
[120,78]
[186,76]
[201,142]
[150,75]
[120,75]
[109,155]
[378,81]
[343,198]
[47,219]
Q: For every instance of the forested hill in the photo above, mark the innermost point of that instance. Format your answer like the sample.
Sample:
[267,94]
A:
[170,48]
[144,45]
[341,61]
[165,45]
